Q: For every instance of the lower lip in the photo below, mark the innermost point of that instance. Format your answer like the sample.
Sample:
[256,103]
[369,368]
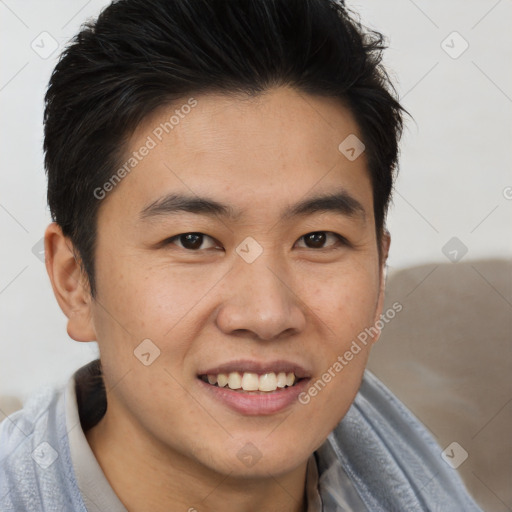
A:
[257,404]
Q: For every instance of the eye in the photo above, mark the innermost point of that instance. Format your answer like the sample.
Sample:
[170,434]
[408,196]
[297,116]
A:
[200,241]
[318,239]
[192,241]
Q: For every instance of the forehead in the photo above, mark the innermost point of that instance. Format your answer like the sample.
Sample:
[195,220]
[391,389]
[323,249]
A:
[251,152]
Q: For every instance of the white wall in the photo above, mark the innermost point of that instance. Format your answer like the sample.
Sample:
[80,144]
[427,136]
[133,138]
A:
[455,165]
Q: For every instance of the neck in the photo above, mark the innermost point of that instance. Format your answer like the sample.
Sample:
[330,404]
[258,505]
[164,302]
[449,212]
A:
[149,477]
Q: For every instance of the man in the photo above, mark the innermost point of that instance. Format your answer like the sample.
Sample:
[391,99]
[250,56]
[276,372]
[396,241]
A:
[219,174]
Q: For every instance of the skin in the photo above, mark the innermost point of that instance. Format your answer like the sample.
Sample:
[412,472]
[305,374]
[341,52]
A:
[163,443]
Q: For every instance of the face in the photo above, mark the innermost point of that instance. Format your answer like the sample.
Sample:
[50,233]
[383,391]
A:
[240,247]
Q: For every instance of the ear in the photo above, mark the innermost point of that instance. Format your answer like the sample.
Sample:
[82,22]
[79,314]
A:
[384,251]
[70,285]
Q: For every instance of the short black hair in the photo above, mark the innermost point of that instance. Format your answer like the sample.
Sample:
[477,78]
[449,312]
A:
[142,54]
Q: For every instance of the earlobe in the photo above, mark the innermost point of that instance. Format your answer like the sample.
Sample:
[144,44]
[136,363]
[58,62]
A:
[69,284]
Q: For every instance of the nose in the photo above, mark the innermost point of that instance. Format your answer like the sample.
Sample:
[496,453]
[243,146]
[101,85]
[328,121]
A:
[258,302]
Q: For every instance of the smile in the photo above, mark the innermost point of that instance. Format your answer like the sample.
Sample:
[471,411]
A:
[253,388]
[251,382]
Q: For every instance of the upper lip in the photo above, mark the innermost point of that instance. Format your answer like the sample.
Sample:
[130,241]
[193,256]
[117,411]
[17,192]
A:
[259,367]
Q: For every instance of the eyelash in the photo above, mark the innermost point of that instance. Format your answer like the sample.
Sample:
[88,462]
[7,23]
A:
[341,240]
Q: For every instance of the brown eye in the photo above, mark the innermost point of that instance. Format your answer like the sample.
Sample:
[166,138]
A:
[317,239]
[192,241]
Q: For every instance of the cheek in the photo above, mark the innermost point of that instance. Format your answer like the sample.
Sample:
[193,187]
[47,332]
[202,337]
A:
[146,301]
[346,302]
[345,307]
[162,305]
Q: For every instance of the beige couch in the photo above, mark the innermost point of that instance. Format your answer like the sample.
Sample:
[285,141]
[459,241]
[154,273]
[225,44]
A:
[448,356]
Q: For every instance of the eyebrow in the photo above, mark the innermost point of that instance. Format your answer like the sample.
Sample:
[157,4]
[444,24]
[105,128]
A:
[340,202]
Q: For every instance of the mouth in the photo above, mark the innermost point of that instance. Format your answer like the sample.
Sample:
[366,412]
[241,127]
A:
[253,388]
[251,382]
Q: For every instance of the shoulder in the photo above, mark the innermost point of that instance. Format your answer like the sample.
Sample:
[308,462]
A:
[35,468]
[392,458]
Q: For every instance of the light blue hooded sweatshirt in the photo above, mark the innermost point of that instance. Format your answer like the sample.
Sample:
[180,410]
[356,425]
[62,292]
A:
[378,459]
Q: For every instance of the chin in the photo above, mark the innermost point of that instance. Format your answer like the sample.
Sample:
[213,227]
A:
[263,456]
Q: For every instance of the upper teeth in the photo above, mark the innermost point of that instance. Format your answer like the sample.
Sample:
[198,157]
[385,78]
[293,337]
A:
[252,381]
